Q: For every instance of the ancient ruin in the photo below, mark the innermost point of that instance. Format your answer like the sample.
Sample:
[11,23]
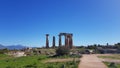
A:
[68,40]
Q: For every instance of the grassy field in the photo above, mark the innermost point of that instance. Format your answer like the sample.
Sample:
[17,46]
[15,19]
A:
[3,56]
[34,62]
[112,66]
[114,56]
[111,57]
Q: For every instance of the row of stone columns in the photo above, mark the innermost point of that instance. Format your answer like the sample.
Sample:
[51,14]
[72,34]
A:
[47,41]
[68,40]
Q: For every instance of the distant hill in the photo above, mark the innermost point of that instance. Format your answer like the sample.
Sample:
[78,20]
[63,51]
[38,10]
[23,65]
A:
[11,47]
[2,47]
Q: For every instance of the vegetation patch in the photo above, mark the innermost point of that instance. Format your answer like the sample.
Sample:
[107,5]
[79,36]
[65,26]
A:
[70,64]
[21,62]
[62,51]
[36,61]
[112,65]
[114,56]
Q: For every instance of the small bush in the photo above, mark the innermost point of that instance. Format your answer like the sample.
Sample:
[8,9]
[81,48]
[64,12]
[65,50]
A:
[50,66]
[31,66]
[112,65]
[63,66]
[62,51]
[8,67]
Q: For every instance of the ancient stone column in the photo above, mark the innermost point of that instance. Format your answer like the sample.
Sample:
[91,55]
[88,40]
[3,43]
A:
[60,43]
[47,41]
[66,40]
[53,42]
[71,42]
[72,39]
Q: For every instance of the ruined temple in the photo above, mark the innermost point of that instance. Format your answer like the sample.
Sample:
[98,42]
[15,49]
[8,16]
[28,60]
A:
[68,40]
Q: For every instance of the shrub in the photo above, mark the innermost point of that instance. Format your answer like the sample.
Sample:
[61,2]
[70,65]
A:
[112,65]
[63,66]
[50,66]
[8,67]
[62,51]
[34,65]
[42,57]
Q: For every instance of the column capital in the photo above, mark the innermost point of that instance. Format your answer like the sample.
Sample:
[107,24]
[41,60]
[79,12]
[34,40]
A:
[47,34]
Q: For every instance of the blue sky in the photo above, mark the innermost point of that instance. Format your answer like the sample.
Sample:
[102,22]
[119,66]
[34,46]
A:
[91,21]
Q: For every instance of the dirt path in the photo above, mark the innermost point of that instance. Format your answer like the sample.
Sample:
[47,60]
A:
[61,60]
[91,61]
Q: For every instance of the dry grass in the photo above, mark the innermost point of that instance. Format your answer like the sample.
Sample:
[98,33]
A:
[61,60]
[110,56]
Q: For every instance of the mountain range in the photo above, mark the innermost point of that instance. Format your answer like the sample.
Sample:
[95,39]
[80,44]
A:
[12,47]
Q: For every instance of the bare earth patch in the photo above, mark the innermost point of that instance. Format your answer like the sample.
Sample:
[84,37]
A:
[110,57]
[61,60]
[91,61]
